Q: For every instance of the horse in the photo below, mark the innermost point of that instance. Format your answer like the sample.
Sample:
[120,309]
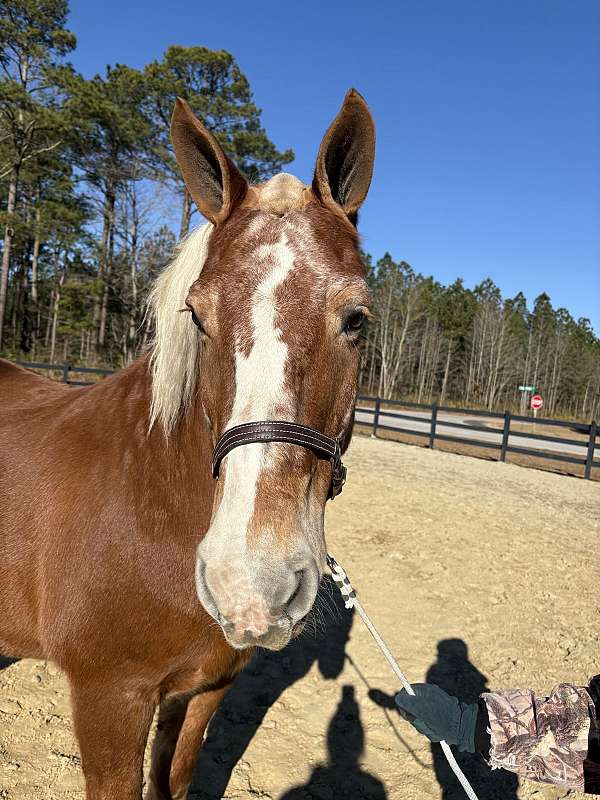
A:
[146,565]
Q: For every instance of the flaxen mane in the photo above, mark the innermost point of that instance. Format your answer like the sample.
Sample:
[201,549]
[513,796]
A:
[175,347]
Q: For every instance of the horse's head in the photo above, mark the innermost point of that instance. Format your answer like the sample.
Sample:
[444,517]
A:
[279,306]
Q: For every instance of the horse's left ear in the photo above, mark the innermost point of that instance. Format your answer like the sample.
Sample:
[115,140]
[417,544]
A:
[345,161]
[212,179]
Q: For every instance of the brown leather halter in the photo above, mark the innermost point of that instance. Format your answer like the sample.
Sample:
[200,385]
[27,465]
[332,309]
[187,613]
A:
[324,447]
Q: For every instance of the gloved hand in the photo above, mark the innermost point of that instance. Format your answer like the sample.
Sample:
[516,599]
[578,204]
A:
[438,715]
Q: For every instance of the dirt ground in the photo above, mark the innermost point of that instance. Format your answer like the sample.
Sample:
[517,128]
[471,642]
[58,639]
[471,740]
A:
[478,574]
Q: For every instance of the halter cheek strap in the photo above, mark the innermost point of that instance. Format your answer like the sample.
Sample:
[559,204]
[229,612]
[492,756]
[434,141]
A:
[324,447]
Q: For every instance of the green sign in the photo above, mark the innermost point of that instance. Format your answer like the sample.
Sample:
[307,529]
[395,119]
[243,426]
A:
[527,388]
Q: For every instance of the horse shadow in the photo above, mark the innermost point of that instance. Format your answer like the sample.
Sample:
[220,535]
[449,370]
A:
[6,662]
[454,673]
[261,684]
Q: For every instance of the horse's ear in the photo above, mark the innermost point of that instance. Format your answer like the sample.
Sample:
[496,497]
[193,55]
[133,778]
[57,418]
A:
[345,161]
[212,179]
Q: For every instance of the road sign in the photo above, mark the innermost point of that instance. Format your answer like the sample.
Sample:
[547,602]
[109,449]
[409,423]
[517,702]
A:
[537,401]
[527,388]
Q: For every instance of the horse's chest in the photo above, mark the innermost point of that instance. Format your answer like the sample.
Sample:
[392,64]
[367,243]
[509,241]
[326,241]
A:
[217,666]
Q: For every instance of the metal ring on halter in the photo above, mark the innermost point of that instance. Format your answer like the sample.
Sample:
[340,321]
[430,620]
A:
[324,447]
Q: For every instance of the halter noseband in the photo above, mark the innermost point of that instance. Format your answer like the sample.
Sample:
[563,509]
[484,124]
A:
[324,447]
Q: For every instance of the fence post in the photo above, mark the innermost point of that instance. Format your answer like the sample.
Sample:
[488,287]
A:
[65,373]
[590,451]
[376,416]
[505,435]
[434,410]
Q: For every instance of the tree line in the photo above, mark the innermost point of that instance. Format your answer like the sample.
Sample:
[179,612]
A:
[88,176]
[451,344]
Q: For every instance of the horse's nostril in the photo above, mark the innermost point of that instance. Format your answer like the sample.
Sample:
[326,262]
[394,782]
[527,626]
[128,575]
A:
[204,592]
[302,598]
[281,608]
[294,594]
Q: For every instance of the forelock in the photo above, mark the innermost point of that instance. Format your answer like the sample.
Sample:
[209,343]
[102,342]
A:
[281,194]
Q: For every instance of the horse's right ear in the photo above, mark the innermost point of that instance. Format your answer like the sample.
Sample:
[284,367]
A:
[212,179]
[345,162]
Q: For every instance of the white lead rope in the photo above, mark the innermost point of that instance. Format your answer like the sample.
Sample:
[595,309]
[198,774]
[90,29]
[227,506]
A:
[351,601]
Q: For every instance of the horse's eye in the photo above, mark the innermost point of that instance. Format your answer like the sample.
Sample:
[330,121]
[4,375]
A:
[196,321]
[354,322]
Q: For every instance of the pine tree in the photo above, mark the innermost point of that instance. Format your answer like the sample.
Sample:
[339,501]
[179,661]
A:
[33,39]
[112,146]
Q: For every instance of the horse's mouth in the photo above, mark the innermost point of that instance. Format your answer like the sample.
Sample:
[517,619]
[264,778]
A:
[276,637]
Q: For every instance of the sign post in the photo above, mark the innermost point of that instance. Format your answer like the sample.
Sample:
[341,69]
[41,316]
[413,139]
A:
[524,389]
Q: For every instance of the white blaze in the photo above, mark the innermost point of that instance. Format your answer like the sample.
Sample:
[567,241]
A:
[259,389]
[259,377]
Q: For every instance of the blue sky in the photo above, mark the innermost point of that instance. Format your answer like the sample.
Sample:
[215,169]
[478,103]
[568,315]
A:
[487,113]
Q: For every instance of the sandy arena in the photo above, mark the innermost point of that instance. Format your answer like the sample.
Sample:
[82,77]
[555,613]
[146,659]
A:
[478,574]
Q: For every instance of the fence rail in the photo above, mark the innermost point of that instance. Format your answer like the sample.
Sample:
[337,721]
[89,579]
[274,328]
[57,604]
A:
[65,370]
[431,423]
[499,438]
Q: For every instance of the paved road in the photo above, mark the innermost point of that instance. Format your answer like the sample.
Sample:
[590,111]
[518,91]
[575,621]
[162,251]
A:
[492,436]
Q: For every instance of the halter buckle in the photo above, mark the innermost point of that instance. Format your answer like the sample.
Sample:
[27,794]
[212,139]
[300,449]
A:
[338,473]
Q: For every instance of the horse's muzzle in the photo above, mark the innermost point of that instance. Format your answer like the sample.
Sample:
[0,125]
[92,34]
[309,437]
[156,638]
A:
[254,612]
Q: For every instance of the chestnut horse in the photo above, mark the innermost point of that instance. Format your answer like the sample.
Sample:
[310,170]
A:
[121,558]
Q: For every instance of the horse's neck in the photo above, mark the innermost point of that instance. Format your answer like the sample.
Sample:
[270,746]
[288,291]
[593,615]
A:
[183,459]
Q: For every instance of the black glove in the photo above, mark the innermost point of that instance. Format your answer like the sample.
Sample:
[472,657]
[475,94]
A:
[438,715]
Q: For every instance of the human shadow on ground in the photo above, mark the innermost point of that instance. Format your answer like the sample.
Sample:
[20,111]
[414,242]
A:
[453,672]
[342,776]
[262,683]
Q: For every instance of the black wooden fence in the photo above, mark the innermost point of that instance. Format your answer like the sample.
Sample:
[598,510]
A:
[499,437]
[65,371]
[430,423]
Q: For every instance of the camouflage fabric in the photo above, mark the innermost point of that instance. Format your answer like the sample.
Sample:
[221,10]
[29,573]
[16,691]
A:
[544,739]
